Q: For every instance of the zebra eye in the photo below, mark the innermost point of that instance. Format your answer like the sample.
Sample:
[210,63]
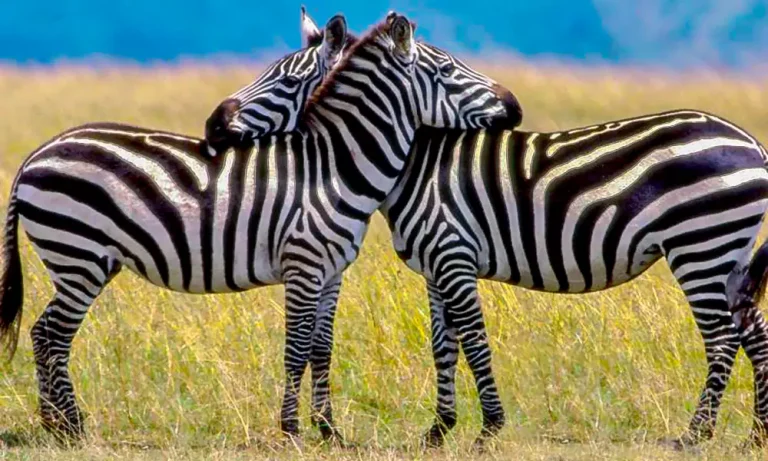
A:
[447,68]
[290,80]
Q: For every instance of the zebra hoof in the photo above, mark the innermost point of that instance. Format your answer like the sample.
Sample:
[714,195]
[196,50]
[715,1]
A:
[434,438]
[491,428]
[758,439]
[480,445]
[290,427]
[332,436]
[66,431]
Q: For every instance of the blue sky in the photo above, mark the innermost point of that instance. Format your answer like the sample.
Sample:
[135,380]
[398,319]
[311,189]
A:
[672,33]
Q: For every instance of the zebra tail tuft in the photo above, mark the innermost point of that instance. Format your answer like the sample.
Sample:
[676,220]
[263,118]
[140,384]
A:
[752,283]
[11,280]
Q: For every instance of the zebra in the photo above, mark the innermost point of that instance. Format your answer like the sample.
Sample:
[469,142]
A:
[290,208]
[172,156]
[278,95]
[580,211]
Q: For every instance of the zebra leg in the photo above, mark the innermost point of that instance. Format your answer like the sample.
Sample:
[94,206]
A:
[754,339]
[445,351]
[52,335]
[703,284]
[721,345]
[458,289]
[320,361]
[302,295]
[744,289]
[51,342]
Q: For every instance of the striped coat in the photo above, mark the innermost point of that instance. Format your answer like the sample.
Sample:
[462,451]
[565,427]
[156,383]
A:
[577,211]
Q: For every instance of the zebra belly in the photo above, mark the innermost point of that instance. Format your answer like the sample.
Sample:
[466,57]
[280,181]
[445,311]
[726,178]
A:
[137,237]
[98,258]
[694,232]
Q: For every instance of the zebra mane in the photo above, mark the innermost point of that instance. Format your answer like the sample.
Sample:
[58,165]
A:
[356,43]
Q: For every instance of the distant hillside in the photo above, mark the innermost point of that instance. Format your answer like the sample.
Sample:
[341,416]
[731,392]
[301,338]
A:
[666,32]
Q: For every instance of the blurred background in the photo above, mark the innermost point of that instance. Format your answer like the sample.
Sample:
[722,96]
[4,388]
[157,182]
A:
[669,33]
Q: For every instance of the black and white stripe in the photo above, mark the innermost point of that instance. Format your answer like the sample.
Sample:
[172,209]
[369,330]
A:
[289,209]
[579,211]
[277,98]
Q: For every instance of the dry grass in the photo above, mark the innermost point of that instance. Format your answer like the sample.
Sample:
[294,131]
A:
[168,376]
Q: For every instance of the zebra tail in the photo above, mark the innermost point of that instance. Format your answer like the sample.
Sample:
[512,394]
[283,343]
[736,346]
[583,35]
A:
[750,287]
[11,280]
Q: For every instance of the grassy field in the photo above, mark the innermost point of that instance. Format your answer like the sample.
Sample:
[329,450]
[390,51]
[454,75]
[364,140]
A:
[168,376]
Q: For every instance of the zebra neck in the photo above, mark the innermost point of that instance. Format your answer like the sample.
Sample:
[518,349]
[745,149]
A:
[366,144]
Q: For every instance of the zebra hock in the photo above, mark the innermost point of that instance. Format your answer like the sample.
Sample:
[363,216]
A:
[155,156]
[290,209]
[581,211]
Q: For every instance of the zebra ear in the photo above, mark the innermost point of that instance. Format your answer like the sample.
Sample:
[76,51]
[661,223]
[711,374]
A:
[310,33]
[334,38]
[393,14]
[401,31]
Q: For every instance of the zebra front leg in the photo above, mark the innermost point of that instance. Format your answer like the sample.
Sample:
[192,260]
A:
[445,351]
[458,290]
[302,294]
[320,361]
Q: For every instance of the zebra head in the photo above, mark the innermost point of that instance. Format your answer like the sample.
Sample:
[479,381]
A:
[443,91]
[275,100]
[450,94]
[454,95]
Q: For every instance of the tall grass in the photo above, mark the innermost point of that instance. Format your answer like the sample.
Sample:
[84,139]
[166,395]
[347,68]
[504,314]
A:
[165,375]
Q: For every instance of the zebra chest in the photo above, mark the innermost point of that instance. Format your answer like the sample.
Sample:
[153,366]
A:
[323,238]
[422,247]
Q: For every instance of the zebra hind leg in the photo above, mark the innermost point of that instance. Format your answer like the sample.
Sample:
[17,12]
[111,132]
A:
[754,339]
[52,335]
[320,363]
[744,290]
[721,345]
[702,272]
[445,351]
[51,341]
